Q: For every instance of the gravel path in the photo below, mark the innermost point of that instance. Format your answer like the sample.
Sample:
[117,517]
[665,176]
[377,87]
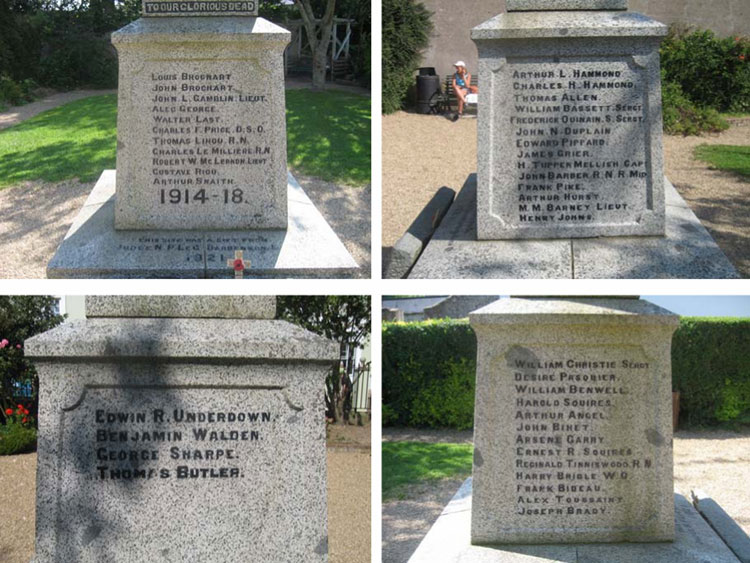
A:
[35,218]
[721,200]
[17,114]
[715,461]
[422,153]
[349,535]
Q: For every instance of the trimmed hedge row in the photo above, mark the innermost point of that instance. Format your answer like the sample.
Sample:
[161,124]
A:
[711,370]
[429,367]
[428,374]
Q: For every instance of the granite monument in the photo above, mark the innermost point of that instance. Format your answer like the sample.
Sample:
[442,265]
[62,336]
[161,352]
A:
[181,429]
[201,157]
[573,422]
[570,175]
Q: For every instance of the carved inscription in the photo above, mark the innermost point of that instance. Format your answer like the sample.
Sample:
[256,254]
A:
[566,457]
[207,138]
[176,443]
[578,134]
[200,7]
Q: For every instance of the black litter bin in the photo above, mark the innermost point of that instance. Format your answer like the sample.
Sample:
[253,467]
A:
[428,89]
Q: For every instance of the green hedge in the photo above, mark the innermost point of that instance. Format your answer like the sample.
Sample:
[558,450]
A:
[428,374]
[429,367]
[711,370]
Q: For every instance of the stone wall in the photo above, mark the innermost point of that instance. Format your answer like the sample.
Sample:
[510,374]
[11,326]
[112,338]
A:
[452,24]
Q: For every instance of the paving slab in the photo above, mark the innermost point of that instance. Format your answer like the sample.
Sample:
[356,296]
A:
[92,248]
[448,542]
[686,252]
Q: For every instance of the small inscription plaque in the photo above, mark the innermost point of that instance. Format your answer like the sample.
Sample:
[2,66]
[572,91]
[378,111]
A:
[200,8]
[578,133]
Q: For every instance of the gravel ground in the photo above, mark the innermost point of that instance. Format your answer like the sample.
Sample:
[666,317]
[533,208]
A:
[347,210]
[422,153]
[35,218]
[349,535]
[716,461]
[36,215]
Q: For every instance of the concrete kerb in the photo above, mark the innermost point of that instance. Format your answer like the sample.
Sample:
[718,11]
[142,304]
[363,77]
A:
[409,247]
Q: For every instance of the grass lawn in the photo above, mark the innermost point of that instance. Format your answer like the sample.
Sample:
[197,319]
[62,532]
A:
[730,158]
[328,138]
[74,140]
[409,463]
[328,135]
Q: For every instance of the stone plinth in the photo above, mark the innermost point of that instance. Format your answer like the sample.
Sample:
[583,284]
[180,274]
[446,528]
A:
[181,439]
[181,306]
[556,5]
[201,130]
[92,248]
[448,541]
[570,125]
[573,422]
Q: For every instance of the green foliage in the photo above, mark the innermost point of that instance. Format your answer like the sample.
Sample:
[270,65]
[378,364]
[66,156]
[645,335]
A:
[448,402]
[74,140]
[406,32]
[683,117]
[328,135]
[711,370]
[21,317]
[428,373]
[64,44]
[410,463]
[343,318]
[735,159]
[15,439]
[712,72]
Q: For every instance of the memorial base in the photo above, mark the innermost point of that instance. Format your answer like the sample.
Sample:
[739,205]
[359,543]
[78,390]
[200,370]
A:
[686,251]
[448,542]
[92,248]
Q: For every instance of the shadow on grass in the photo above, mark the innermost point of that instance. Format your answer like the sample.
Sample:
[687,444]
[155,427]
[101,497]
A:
[328,135]
[74,140]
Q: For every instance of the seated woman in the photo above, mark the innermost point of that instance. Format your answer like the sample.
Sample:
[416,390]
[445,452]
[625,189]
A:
[462,86]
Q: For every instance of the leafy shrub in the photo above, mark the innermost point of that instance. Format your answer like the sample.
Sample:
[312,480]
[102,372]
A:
[10,91]
[682,117]
[406,31]
[428,373]
[16,439]
[712,72]
[711,370]
[447,402]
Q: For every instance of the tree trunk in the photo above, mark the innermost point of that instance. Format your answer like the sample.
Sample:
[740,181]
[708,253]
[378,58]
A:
[318,36]
[319,68]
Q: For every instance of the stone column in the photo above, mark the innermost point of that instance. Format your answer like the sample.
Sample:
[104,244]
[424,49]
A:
[573,422]
[201,124]
[181,429]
